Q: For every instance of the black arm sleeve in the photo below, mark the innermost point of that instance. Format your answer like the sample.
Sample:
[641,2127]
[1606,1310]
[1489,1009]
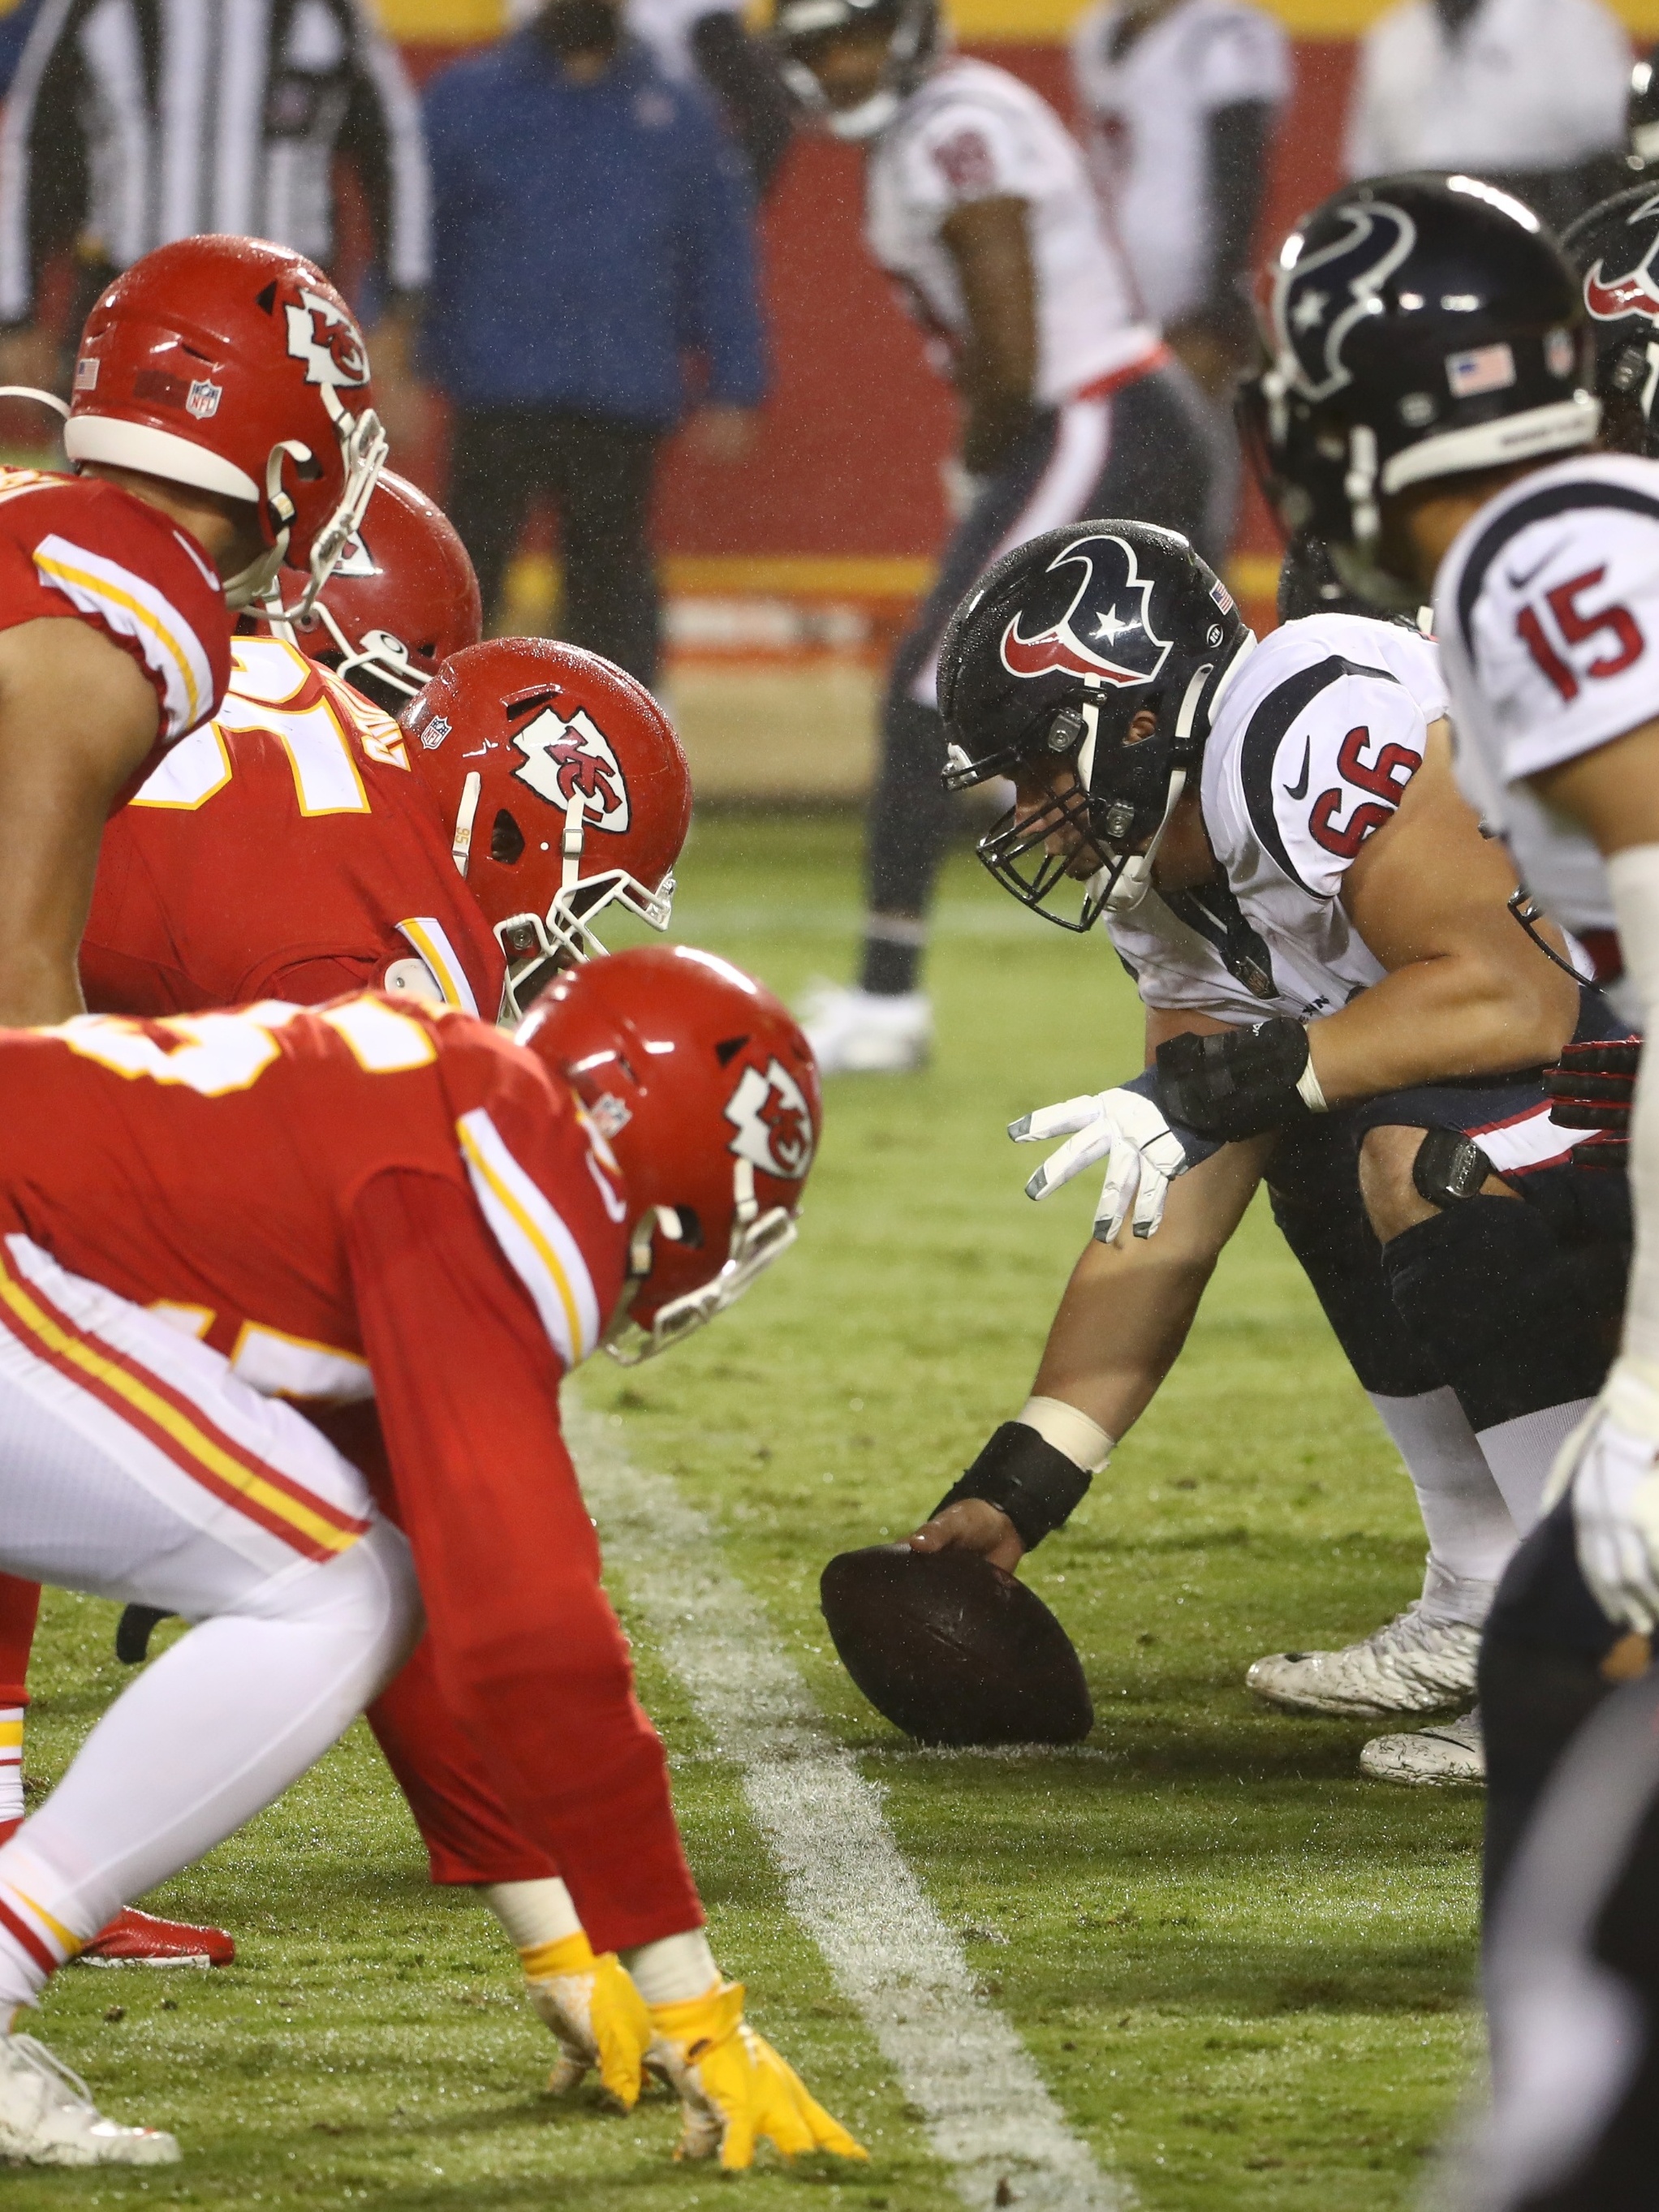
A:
[1238,138]
[52,180]
[1027,1478]
[743,76]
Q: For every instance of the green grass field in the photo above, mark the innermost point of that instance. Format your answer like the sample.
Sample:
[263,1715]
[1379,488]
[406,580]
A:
[1245,1973]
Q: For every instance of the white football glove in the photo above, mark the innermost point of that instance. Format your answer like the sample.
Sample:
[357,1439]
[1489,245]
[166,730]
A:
[1142,1153]
[1614,1462]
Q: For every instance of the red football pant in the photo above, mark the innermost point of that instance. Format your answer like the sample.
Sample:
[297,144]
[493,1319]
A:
[20,1607]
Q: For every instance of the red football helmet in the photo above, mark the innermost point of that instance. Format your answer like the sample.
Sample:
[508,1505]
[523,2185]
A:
[567,792]
[225,363]
[402,599]
[705,1093]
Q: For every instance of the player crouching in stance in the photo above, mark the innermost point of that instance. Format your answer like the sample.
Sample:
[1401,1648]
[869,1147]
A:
[1544,562]
[1338,1003]
[401,1195]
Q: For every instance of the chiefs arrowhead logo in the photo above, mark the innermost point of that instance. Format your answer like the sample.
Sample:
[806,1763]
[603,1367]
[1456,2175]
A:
[1318,297]
[1106,631]
[565,760]
[773,1121]
[322,335]
[1610,299]
[356,560]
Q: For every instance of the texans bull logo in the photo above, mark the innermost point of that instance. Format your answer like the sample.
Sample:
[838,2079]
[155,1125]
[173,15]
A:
[565,761]
[773,1121]
[1107,630]
[1318,297]
[1610,299]
[322,335]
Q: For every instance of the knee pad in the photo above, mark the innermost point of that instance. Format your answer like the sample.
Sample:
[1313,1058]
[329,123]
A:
[1518,1318]
[1316,1205]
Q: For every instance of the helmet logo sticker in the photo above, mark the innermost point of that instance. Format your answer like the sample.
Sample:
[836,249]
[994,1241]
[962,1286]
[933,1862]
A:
[563,760]
[1107,630]
[202,399]
[773,1121]
[1610,299]
[324,338]
[435,732]
[1378,238]
[356,560]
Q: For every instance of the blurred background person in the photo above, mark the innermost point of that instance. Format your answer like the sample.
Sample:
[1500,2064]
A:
[1182,99]
[593,225]
[1529,94]
[978,204]
[706,38]
[129,124]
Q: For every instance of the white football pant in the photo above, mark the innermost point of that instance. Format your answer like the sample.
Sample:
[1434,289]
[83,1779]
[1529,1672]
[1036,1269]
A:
[136,1466]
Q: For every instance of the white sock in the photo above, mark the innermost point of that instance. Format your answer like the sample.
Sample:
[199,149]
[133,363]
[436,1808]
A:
[11,1762]
[533,1913]
[675,1970]
[206,1736]
[1522,1452]
[1471,1530]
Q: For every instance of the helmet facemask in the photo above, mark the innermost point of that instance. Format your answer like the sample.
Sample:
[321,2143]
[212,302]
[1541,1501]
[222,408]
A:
[805,27]
[757,1239]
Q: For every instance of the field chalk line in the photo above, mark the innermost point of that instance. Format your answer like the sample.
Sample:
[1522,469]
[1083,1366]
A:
[987,2110]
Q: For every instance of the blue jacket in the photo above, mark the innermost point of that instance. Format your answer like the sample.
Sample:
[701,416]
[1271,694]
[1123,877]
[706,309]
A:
[586,237]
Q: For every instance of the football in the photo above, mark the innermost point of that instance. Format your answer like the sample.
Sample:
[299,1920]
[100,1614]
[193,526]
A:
[953,1650]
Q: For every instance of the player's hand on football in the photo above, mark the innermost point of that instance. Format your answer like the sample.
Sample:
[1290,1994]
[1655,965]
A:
[1142,1153]
[735,2091]
[597,2016]
[1613,1462]
[972,1524]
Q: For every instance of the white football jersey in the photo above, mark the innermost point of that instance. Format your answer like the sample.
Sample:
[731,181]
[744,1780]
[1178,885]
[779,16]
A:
[1316,737]
[1149,113]
[972,131]
[1547,610]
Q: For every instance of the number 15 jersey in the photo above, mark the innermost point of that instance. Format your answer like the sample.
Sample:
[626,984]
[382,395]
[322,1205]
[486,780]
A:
[1547,609]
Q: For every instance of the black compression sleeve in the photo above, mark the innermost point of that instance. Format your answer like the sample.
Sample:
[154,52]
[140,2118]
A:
[1238,141]
[1027,1478]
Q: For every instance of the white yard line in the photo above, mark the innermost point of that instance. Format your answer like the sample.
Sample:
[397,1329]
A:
[987,2110]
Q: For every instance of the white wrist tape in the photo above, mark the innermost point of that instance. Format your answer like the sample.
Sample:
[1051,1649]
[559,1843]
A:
[1633,877]
[673,1971]
[533,1913]
[1084,1442]
[1308,1090]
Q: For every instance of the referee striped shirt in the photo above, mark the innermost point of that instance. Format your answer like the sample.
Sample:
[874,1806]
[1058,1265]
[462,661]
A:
[133,122]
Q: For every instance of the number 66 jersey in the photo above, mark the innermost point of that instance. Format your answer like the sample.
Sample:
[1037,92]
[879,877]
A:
[1546,608]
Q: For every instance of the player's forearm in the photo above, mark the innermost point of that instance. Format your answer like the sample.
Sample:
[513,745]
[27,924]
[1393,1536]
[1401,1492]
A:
[1126,1312]
[1464,1015]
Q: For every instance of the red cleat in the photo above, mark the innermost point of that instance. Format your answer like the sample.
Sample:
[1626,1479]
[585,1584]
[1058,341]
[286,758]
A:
[138,1939]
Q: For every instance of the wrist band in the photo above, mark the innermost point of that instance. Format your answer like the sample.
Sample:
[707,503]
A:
[1025,1476]
[1084,1442]
[1308,1090]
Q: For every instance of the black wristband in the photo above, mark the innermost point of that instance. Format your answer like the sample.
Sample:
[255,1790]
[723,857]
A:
[1027,1478]
[1234,1084]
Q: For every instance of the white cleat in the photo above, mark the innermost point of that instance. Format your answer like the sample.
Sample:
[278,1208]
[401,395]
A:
[856,1032]
[47,2116]
[1410,1665]
[1432,1758]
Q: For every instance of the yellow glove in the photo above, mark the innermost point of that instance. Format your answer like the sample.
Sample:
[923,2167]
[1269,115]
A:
[735,2089]
[593,2008]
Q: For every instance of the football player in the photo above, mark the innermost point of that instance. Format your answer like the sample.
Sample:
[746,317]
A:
[1338,1001]
[221,420]
[401,1199]
[1450,445]
[978,205]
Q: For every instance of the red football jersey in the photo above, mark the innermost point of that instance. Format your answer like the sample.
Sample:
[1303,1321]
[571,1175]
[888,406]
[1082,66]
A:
[379,1198]
[78,546]
[285,850]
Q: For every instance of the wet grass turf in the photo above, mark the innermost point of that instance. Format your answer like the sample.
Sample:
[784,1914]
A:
[1244,1973]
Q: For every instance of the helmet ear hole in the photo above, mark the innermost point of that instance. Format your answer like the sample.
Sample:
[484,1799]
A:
[506,841]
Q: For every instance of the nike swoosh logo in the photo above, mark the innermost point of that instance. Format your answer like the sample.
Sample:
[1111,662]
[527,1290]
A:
[1300,790]
[1520,583]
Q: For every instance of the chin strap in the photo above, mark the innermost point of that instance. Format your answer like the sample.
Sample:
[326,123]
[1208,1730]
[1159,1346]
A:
[1134,879]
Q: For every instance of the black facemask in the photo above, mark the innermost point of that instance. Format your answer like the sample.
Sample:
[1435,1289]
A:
[579,26]
[1457,14]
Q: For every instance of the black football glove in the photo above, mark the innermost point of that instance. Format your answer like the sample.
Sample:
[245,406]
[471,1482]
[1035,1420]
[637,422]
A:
[1591,1087]
[1238,1083]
